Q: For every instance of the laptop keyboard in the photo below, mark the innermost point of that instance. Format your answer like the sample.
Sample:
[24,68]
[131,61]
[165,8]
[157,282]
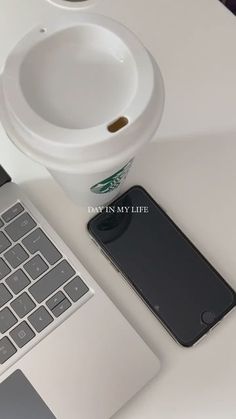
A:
[37,284]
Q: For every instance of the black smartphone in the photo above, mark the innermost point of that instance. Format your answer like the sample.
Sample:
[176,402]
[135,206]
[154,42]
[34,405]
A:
[175,280]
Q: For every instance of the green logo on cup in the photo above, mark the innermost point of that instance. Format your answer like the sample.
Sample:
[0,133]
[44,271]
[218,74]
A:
[112,182]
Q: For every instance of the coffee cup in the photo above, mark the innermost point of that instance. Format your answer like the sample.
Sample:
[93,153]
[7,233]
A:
[82,96]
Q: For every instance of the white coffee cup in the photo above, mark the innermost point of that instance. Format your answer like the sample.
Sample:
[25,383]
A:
[82,96]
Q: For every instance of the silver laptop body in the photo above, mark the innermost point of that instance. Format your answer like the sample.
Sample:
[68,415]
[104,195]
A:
[64,336]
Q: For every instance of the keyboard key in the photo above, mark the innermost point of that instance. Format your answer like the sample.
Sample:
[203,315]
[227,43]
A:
[7,320]
[12,212]
[20,227]
[4,242]
[16,255]
[50,282]
[4,269]
[35,267]
[40,319]
[61,308]
[22,305]
[7,349]
[22,334]
[1,223]
[76,289]
[17,281]
[55,300]
[5,295]
[37,241]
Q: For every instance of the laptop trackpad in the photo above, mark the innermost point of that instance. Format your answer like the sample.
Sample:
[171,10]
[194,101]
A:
[19,400]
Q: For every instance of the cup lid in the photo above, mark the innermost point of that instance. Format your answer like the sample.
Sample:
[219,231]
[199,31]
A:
[81,92]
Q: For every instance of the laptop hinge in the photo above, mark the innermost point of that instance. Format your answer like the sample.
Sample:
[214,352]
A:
[4,176]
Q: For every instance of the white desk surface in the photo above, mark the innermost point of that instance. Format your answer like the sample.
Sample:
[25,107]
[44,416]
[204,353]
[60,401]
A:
[189,168]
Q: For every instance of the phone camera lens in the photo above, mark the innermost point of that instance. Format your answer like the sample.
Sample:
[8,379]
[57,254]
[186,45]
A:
[208,317]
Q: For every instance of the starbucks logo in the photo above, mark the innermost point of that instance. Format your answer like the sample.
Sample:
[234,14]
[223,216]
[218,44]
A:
[112,182]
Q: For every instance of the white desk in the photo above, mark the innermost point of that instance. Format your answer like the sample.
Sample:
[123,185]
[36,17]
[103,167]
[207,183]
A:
[194,178]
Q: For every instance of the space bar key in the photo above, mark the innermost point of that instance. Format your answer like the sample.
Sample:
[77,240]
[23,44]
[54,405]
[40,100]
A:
[50,282]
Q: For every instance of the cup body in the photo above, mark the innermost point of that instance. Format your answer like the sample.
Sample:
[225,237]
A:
[95,189]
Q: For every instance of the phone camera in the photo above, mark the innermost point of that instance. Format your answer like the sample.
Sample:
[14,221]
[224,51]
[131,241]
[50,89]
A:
[208,317]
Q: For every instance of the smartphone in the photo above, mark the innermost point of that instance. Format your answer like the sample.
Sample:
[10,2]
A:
[172,277]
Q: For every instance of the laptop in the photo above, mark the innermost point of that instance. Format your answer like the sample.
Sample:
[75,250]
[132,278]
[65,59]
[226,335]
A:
[66,352]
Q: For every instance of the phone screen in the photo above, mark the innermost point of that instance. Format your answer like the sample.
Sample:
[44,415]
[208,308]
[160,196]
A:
[177,283]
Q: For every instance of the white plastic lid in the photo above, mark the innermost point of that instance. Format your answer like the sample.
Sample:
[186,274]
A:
[67,82]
